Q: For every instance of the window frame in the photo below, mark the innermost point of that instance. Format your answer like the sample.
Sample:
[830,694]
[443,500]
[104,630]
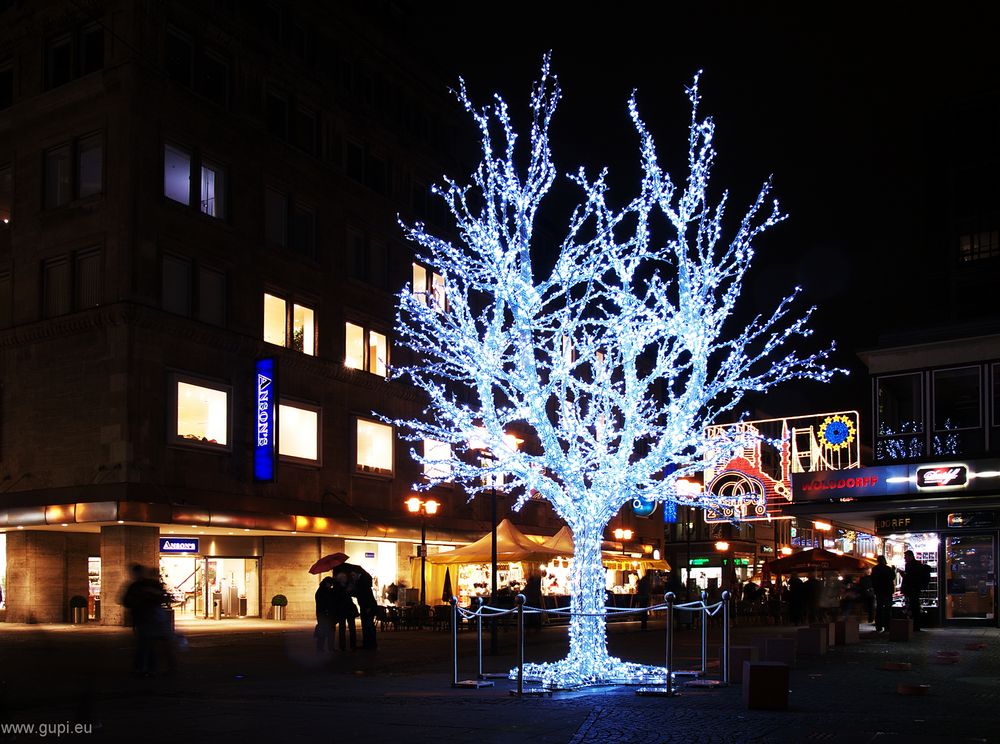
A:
[197,161]
[173,438]
[305,406]
[933,398]
[291,301]
[366,331]
[357,468]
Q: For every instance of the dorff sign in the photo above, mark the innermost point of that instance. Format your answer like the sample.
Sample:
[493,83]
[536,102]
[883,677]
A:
[179,544]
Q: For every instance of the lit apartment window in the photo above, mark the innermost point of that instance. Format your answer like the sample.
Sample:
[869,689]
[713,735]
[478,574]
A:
[212,182]
[366,349]
[437,451]
[74,170]
[177,174]
[289,324]
[213,190]
[431,286]
[201,414]
[374,447]
[298,432]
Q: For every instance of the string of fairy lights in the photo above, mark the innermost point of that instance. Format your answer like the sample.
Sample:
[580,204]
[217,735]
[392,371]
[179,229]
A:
[610,364]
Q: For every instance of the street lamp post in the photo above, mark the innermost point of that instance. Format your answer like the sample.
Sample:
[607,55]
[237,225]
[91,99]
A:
[478,444]
[425,508]
[723,547]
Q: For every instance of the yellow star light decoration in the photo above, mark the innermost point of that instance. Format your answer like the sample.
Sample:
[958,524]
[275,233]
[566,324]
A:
[836,432]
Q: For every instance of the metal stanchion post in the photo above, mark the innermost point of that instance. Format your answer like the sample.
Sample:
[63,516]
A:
[704,631]
[479,634]
[479,681]
[725,637]
[520,644]
[670,642]
[454,642]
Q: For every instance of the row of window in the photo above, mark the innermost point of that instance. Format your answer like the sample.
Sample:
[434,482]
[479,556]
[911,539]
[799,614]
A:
[203,418]
[937,413]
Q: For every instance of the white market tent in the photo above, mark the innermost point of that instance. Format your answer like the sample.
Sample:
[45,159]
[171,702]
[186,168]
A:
[512,545]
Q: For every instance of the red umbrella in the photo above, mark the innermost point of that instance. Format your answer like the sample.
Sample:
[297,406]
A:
[328,563]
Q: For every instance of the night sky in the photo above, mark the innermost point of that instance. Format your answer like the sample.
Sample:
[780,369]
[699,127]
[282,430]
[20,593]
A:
[851,108]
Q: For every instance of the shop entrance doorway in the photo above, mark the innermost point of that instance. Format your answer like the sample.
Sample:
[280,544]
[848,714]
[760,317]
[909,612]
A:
[196,584]
[970,581]
[235,584]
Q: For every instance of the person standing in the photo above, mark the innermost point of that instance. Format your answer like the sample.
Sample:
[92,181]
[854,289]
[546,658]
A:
[916,577]
[359,586]
[343,611]
[324,615]
[145,599]
[883,580]
[642,597]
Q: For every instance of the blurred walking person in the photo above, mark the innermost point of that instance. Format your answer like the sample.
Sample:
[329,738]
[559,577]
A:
[883,581]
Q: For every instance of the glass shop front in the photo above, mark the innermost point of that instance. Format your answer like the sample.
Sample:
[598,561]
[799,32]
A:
[210,586]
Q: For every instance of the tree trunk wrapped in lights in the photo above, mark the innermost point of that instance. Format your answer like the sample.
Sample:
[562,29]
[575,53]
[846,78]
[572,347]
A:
[611,363]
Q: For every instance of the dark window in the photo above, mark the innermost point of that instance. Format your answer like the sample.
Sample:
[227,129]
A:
[304,230]
[88,279]
[179,57]
[378,175]
[176,285]
[273,18]
[976,246]
[74,54]
[276,115]
[357,245]
[957,403]
[56,287]
[90,165]
[305,130]
[6,86]
[6,195]
[6,300]
[213,190]
[213,78]
[58,176]
[301,42]
[59,61]
[211,296]
[378,265]
[91,48]
[418,199]
[355,161]
[275,218]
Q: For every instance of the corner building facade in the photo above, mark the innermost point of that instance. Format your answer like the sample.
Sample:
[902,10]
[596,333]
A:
[186,189]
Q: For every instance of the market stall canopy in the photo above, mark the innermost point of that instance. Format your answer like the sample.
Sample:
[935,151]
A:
[816,559]
[562,542]
[512,545]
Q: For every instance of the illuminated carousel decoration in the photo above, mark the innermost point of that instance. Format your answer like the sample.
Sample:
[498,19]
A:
[756,481]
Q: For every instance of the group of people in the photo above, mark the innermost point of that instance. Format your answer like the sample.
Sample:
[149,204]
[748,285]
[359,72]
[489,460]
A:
[336,609]
[816,599]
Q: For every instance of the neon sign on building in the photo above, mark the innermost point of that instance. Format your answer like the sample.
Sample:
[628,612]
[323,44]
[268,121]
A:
[755,482]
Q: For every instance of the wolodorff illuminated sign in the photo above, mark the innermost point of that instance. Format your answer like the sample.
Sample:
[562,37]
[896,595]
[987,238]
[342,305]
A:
[266,434]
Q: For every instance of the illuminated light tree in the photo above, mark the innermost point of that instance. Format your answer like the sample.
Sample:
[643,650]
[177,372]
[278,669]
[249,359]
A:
[611,363]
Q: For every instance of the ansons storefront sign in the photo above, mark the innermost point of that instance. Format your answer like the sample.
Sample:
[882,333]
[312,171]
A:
[179,544]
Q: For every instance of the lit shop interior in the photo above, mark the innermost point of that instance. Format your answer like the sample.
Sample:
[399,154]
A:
[968,572]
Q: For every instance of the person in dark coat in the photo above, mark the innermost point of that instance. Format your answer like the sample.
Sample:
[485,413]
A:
[146,600]
[359,585]
[798,600]
[883,580]
[533,598]
[324,615]
[343,611]
[916,576]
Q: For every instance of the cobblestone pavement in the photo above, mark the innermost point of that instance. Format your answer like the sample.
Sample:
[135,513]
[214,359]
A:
[259,680]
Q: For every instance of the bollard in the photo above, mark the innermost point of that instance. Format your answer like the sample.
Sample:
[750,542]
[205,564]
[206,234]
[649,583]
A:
[479,634]
[454,641]
[704,632]
[670,642]
[725,638]
[520,644]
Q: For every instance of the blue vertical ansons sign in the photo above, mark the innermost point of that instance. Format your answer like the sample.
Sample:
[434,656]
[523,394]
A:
[266,430]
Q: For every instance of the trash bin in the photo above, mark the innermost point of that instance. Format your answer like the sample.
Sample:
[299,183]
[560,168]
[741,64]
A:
[79,615]
[279,612]
[216,610]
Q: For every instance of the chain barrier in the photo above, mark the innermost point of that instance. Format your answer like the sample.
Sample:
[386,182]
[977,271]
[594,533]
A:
[521,609]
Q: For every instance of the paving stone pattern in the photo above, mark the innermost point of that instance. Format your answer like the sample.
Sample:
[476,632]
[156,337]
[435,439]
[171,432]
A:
[265,681]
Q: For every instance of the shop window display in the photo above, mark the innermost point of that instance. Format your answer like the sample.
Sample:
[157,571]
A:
[202,414]
[969,577]
[3,571]
[925,549]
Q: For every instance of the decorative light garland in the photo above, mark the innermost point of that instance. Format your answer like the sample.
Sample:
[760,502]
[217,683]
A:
[612,363]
